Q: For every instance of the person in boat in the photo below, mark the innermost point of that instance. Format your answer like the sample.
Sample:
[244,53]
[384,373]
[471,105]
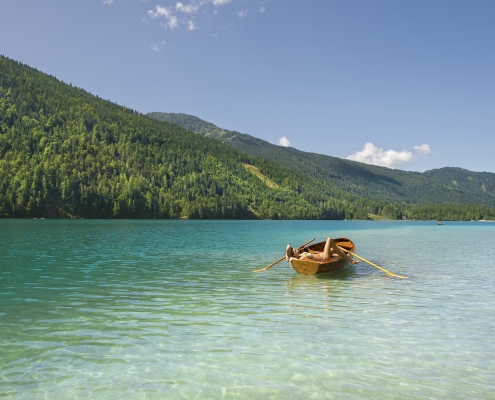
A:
[330,251]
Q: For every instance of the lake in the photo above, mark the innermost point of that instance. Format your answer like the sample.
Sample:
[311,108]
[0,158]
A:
[102,309]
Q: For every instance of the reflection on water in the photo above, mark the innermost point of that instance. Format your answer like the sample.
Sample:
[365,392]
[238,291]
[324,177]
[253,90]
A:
[317,280]
[153,309]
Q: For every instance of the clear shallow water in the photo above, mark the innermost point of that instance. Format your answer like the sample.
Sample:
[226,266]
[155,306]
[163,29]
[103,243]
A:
[154,309]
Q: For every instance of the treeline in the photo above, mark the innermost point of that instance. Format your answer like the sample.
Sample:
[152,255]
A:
[445,212]
[68,154]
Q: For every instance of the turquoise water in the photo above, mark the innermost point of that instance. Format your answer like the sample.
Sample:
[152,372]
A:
[172,309]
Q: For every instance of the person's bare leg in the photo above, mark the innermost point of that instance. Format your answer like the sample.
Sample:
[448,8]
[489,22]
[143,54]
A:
[341,252]
[329,250]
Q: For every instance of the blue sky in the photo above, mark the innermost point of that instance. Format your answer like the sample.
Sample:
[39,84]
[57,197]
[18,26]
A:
[405,84]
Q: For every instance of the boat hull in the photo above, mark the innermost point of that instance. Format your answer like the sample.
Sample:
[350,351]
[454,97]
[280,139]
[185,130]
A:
[308,267]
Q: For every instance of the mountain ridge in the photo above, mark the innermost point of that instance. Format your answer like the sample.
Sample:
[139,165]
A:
[433,186]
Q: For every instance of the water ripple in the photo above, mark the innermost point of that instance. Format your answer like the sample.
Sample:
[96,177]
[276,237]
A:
[113,309]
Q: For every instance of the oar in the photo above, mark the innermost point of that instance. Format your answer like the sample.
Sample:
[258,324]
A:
[374,265]
[282,258]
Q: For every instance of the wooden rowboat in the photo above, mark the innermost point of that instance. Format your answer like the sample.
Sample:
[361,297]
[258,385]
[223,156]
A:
[308,267]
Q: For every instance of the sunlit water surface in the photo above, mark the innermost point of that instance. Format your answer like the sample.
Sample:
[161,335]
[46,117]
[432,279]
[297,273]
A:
[172,309]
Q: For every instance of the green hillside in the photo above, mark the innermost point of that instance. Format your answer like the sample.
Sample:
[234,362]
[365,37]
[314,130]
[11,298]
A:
[66,153]
[480,183]
[353,177]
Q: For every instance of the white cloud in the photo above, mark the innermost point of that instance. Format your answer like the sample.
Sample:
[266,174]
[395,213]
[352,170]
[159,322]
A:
[172,22]
[189,8]
[389,158]
[423,150]
[157,47]
[107,2]
[164,12]
[160,12]
[242,14]
[283,141]
[188,14]
[191,26]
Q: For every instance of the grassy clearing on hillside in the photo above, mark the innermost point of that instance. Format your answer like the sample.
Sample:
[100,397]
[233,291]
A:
[256,172]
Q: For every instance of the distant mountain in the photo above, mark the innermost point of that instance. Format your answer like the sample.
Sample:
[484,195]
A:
[480,183]
[446,185]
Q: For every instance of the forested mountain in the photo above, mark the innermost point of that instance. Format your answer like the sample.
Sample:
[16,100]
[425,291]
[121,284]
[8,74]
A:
[66,153]
[447,185]
[480,183]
